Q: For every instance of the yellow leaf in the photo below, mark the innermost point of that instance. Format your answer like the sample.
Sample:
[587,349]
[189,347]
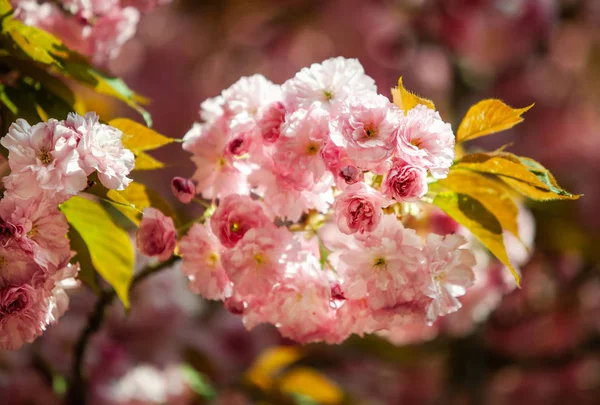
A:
[109,246]
[494,195]
[144,161]
[270,363]
[132,201]
[139,138]
[474,216]
[525,175]
[488,117]
[406,100]
[312,384]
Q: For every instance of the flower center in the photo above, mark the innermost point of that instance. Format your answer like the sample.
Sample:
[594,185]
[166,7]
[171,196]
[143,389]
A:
[221,162]
[416,143]
[3,261]
[328,95]
[371,132]
[45,156]
[234,227]
[259,258]
[312,148]
[212,259]
[380,263]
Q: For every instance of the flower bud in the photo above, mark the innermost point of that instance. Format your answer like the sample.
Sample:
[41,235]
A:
[157,235]
[183,189]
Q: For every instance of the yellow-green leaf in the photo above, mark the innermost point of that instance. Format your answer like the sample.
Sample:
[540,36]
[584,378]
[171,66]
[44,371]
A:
[270,363]
[132,201]
[144,161]
[31,43]
[488,117]
[474,216]
[109,246]
[312,384]
[406,100]
[139,138]
[525,175]
[494,195]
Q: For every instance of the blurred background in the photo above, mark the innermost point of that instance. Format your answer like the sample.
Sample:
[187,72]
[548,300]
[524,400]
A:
[536,345]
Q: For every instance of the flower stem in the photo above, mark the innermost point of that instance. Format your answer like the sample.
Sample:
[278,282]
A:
[78,387]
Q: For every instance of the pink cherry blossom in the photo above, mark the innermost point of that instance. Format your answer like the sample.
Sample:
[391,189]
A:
[359,209]
[257,261]
[17,266]
[218,172]
[101,149]
[250,95]
[269,121]
[43,157]
[326,84]
[382,264]
[37,227]
[235,216]
[26,310]
[201,251]
[183,189]
[451,273]
[405,182]
[426,140]
[369,127]
[299,305]
[157,235]
[297,156]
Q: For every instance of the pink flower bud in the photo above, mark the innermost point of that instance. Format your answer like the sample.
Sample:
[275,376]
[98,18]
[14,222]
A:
[183,189]
[405,182]
[157,235]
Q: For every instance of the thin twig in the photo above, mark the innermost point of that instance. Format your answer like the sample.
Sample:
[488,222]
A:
[78,387]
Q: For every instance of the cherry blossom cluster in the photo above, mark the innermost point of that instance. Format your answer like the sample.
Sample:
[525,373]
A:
[95,28]
[308,177]
[49,163]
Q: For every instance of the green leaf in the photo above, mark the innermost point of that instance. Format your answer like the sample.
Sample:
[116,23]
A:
[474,216]
[488,117]
[135,198]
[137,137]
[109,246]
[525,175]
[34,44]
[198,382]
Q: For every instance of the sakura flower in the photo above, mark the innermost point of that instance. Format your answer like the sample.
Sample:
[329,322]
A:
[250,94]
[383,263]
[37,227]
[101,149]
[427,141]
[43,157]
[451,273]
[26,311]
[157,235]
[358,209]
[183,189]
[405,182]
[326,84]
[369,126]
[269,121]
[218,172]
[257,261]
[299,305]
[201,251]
[17,266]
[235,216]
[296,157]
